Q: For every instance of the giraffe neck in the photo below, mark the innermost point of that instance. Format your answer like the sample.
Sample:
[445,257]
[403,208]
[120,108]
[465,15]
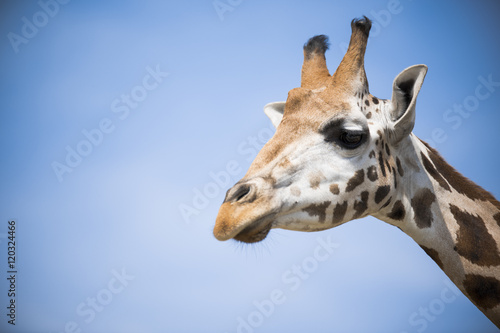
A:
[455,221]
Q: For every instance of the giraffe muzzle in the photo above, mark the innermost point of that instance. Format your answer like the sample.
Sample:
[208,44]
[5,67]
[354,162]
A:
[244,215]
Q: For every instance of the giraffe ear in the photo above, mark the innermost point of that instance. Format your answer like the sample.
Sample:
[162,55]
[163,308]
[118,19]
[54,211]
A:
[405,89]
[275,112]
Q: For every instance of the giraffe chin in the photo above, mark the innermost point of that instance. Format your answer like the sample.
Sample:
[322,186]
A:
[256,231]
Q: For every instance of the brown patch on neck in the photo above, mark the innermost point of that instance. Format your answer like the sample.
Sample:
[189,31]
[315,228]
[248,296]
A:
[398,211]
[381,193]
[483,290]
[474,242]
[361,206]
[434,256]
[356,180]
[421,204]
[318,210]
[339,212]
[460,183]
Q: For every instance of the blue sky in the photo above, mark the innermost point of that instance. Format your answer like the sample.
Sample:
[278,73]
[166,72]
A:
[171,93]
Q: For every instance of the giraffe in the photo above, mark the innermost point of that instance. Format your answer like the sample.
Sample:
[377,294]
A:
[340,153]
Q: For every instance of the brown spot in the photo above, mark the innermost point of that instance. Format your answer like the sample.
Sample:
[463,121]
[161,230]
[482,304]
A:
[372,154]
[434,255]
[400,168]
[460,183]
[474,242]
[497,218]
[367,102]
[334,188]
[421,204]
[295,191]
[371,173]
[339,212]
[316,179]
[374,100]
[284,163]
[318,210]
[433,172]
[398,211]
[356,180]
[361,206]
[381,193]
[387,150]
[381,163]
[483,290]
[368,115]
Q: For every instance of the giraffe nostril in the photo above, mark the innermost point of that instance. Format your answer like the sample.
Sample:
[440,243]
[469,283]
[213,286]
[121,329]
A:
[239,193]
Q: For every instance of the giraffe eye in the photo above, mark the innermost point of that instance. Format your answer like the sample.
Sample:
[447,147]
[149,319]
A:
[345,137]
[351,140]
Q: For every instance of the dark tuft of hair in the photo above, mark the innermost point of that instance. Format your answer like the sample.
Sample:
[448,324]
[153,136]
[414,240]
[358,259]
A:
[316,44]
[364,24]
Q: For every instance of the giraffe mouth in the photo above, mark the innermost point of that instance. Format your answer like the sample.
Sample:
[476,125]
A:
[256,231]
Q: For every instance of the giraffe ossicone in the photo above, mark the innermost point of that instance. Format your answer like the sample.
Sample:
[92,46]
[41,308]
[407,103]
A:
[340,153]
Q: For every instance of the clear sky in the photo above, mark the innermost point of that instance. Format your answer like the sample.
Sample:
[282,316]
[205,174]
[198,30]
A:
[116,116]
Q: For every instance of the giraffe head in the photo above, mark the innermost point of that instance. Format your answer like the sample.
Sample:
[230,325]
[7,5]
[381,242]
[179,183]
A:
[334,156]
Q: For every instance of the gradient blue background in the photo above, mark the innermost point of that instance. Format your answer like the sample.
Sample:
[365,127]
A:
[120,208]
